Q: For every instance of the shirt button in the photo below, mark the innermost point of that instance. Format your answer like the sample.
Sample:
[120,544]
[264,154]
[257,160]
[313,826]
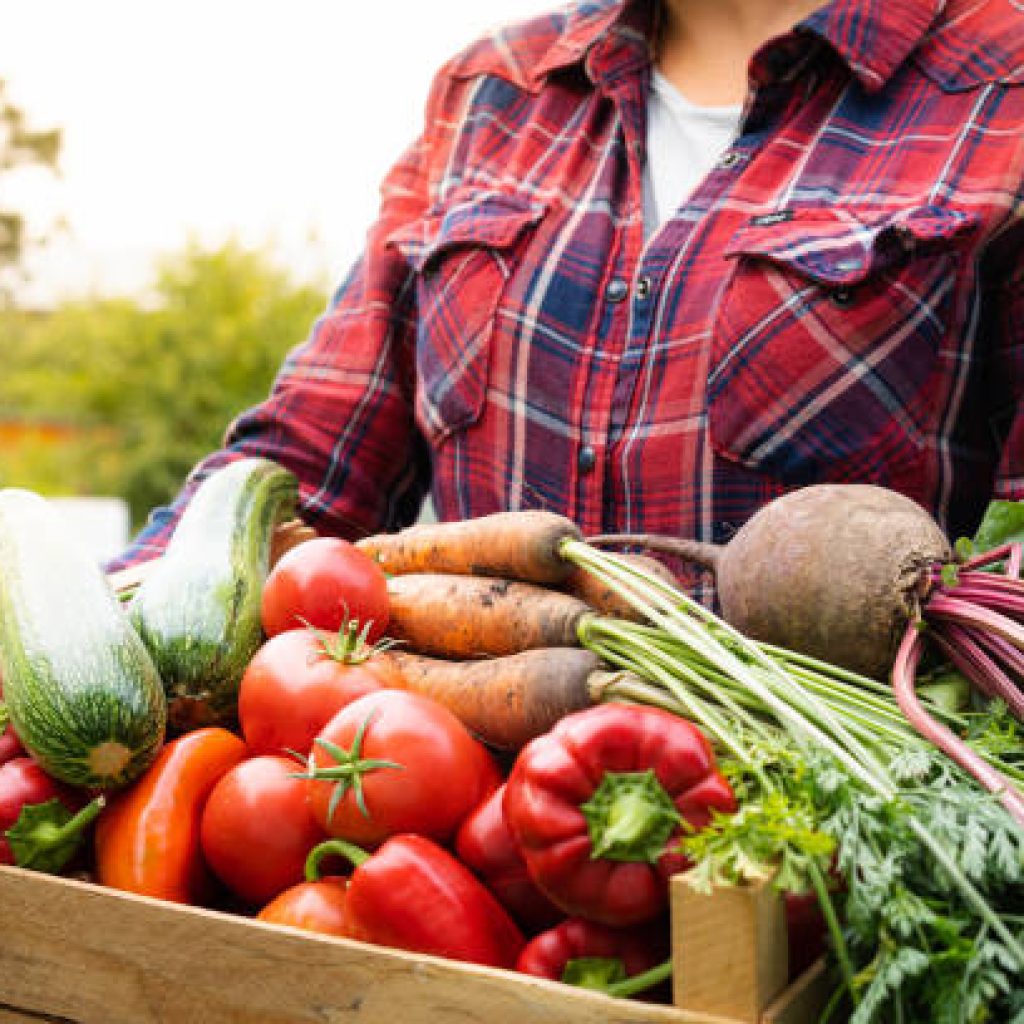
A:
[643,288]
[729,160]
[587,459]
[617,290]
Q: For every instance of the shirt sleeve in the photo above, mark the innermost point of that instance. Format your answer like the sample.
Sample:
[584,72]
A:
[340,411]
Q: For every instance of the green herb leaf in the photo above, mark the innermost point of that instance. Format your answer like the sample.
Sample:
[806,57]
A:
[1003,523]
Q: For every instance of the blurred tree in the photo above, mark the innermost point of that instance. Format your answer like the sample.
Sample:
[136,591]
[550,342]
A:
[20,146]
[149,388]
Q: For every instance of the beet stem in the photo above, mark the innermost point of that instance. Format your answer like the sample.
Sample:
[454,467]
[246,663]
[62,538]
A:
[951,609]
[1007,689]
[696,551]
[903,679]
[988,557]
[1013,563]
[1005,602]
[958,645]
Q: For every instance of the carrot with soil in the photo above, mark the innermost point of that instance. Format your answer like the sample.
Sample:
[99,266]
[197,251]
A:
[509,700]
[474,616]
[513,545]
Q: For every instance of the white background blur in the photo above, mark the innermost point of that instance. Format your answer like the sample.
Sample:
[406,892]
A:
[268,122]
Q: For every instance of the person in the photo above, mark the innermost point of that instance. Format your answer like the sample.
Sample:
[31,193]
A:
[654,262]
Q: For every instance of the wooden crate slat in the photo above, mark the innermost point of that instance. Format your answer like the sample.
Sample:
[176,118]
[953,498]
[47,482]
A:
[86,954]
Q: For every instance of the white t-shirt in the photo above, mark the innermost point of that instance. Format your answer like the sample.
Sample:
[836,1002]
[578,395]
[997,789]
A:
[683,142]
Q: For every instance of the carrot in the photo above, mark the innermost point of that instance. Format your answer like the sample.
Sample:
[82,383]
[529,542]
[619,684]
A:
[513,545]
[288,535]
[607,601]
[475,617]
[508,701]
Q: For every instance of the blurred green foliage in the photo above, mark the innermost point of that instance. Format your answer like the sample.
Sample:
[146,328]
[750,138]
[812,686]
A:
[121,397]
[20,147]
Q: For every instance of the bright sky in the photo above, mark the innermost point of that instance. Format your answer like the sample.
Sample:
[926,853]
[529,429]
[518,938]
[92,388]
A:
[265,121]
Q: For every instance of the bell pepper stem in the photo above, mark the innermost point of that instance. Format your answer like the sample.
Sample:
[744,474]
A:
[630,817]
[355,855]
[641,982]
[40,840]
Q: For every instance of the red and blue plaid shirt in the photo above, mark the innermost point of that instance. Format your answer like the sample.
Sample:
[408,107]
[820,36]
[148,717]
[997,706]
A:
[841,299]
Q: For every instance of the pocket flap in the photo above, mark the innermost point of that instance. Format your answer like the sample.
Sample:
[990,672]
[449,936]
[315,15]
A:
[490,219]
[839,248]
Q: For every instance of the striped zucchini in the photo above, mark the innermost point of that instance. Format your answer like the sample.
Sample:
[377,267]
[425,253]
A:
[198,611]
[82,691]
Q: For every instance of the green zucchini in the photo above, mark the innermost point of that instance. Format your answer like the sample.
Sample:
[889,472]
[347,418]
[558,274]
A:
[82,691]
[198,611]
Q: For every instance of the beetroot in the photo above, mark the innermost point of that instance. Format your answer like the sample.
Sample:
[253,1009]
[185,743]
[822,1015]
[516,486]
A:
[860,576]
[835,571]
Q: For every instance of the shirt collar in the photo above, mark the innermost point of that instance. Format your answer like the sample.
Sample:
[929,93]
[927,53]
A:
[611,37]
[873,37]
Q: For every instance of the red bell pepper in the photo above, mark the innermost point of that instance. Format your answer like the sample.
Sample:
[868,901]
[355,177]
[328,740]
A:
[618,961]
[485,843]
[42,822]
[597,803]
[413,894]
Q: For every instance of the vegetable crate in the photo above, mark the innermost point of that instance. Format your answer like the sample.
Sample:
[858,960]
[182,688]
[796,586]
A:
[75,952]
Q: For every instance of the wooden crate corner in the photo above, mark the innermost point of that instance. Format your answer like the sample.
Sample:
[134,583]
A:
[730,957]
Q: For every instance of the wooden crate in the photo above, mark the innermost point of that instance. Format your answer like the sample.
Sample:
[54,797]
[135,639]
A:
[75,952]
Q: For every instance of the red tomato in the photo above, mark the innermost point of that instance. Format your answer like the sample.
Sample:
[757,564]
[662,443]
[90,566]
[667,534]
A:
[443,773]
[257,829]
[325,581]
[294,686]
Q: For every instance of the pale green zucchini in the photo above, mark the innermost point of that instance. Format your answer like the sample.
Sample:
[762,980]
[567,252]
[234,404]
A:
[198,610]
[83,693]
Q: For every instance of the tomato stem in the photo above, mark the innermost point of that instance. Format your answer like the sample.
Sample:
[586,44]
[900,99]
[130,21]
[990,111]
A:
[349,768]
[350,645]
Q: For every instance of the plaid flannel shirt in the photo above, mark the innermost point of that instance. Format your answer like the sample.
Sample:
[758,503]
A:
[841,298]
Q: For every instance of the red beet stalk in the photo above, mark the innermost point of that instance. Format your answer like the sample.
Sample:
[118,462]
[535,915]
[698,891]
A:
[903,681]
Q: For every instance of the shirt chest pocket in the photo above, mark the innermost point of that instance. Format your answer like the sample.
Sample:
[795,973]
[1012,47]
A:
[462,256]
[825,361]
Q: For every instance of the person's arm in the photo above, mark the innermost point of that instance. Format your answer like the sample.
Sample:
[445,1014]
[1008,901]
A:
[340,414]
